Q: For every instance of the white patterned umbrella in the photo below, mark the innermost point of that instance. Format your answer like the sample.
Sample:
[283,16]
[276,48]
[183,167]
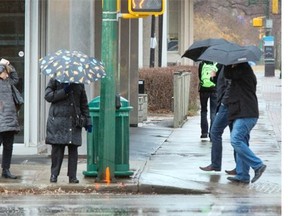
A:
[72,67]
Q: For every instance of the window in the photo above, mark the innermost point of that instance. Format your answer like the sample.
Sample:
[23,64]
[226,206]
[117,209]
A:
[12,45]
[173,26]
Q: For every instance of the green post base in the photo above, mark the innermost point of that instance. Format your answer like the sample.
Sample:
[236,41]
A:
[90,173]
[123,173]
[116,173]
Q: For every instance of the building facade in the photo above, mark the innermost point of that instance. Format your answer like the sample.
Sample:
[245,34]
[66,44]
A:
[30,29]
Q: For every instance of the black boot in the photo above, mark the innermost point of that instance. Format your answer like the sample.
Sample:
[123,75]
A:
[6,174]
[53,179]
[73,180]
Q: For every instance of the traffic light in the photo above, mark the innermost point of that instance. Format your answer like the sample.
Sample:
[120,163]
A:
[257,22]
[146,7]
[275,7]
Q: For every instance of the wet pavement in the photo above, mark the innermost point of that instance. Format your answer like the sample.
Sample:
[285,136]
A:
[165,160]
[142,205]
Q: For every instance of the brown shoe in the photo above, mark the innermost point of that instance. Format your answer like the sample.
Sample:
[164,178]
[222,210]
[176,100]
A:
[231,172]
[210,168]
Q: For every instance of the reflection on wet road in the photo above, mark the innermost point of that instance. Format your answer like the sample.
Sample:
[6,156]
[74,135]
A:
[108,204]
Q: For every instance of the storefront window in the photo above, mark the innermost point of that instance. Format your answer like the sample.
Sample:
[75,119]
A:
[12,13]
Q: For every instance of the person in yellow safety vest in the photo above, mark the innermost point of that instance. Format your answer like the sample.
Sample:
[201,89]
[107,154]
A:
[207,72]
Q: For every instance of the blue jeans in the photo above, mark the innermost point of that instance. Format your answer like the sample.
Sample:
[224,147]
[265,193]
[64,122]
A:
[204,97]
[219,124]
[245,158]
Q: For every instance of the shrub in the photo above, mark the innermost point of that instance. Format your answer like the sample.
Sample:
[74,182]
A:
[159,87]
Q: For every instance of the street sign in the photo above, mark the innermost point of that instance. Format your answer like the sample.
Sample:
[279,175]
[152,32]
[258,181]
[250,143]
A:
[269,57]
[269,23]
[268,40]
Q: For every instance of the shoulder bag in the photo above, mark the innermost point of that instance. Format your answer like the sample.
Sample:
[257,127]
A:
[18,99]
[80,120]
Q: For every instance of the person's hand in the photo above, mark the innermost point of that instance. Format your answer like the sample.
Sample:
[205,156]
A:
[88,128]
[67,87]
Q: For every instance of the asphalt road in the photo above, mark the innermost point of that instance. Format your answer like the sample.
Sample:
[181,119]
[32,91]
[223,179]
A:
[129,204]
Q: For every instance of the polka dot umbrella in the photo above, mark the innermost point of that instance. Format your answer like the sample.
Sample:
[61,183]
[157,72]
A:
[72,67]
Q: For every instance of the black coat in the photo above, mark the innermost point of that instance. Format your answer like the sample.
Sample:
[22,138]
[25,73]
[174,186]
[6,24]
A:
[61,128]
[223,86]
[242,101]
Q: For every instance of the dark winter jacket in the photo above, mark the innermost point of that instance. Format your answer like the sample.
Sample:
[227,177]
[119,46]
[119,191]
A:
[61,128]
[223,86]
[242,102]
[8,113]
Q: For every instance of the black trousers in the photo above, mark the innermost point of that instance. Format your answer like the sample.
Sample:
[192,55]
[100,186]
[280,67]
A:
[204,97]
[7,139]
[57,155]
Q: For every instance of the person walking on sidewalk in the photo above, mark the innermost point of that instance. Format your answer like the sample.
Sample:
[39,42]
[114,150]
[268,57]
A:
[207,91]
[64,128]
[9,125]
[243,112]
[219,124]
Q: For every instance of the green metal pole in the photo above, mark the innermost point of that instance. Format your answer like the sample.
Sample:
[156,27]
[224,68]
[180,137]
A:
[107,92]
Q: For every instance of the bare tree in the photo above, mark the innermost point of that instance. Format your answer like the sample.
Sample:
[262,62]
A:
[232,19]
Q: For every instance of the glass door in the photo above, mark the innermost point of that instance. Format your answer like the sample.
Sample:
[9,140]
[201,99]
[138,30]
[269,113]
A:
[12,26]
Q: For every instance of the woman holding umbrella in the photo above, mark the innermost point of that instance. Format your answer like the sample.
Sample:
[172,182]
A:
[69,112]
[67,115]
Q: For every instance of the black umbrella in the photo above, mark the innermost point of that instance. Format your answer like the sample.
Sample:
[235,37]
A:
[255,50]
[198,47]
[231,53]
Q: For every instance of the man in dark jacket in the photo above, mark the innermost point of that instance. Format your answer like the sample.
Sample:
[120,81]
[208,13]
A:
[243,113]
[67,102]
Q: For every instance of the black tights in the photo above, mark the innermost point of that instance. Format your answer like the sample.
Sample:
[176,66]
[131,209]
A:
[7,139]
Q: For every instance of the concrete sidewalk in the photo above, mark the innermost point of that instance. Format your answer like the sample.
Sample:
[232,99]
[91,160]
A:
[167,160]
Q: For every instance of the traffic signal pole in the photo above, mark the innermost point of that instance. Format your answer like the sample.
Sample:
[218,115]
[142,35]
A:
[107,92]
[109,50]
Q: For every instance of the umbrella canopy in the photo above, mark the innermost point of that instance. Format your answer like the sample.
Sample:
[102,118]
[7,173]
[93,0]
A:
[72,67]
[254,49]
[231,53]
[198,47]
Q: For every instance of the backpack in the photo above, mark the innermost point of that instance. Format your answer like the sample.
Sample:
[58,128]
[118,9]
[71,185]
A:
[205,75]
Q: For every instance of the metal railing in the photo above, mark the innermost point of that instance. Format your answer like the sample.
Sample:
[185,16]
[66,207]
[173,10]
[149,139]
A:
[181,97]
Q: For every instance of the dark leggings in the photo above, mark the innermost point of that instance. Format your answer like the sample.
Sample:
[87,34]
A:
[7,139]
